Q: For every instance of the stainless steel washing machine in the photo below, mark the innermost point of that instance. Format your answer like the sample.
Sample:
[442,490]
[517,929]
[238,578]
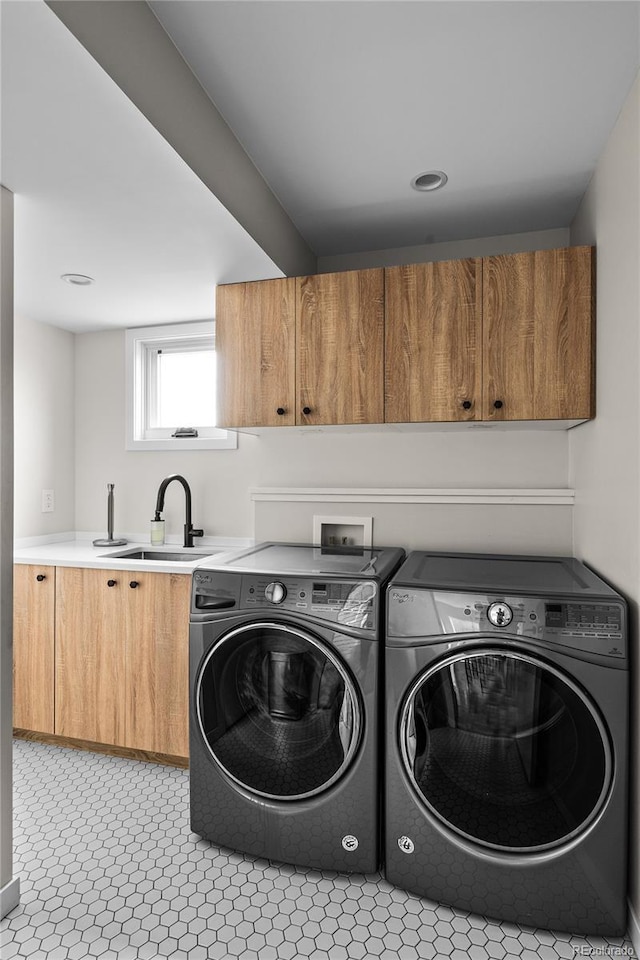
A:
[285,645]
[506,739]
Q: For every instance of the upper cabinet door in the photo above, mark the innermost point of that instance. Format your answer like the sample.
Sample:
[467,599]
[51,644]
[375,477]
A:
[433,321]
[340,345]
[538,335]
[255,342]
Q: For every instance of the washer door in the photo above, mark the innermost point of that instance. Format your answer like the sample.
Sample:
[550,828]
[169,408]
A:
[278,711]
[505,750]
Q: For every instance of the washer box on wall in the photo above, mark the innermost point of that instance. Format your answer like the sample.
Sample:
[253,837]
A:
[343,531]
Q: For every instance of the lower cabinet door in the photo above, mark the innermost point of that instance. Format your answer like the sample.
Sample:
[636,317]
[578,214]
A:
[157,658]
[33,647]
[90,654]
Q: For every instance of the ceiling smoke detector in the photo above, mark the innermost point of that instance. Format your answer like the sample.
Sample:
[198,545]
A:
[432,180]
[77,279]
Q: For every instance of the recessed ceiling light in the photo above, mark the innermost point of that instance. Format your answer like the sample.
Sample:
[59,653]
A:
[432,180]
[77,279]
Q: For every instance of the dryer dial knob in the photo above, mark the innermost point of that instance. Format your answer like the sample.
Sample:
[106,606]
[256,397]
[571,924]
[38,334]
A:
[500,614]
[275,592]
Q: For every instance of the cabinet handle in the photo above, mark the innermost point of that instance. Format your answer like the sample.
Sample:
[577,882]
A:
[498,404]
[133,584]
[466,404]
[306,411]
[40,577]
[111,583]
[281,411]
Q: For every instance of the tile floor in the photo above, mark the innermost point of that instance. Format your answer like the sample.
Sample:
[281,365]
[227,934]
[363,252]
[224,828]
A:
[110,869]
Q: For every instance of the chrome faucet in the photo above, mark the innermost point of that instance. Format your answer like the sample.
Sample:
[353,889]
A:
[189,532]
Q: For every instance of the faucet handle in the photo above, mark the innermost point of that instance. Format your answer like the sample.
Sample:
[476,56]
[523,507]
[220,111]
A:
[197,533]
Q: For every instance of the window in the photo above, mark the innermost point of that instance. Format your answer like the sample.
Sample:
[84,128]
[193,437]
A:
[171,389]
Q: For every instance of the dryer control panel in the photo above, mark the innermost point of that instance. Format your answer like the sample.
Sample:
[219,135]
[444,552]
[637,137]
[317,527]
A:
[593,626]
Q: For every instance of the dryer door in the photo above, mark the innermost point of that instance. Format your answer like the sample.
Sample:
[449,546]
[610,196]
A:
[505,750]
[278,711]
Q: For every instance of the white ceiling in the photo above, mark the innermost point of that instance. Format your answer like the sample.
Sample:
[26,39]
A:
[339,105]
[99,192]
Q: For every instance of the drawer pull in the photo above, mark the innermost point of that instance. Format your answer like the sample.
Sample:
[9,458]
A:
[40,577]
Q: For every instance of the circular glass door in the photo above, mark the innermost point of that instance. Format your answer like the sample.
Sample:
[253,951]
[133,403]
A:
[505,750]
[278,711]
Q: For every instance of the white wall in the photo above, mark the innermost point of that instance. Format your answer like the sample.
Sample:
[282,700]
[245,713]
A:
[604,454]
[451,250]
[221,480]
[9,885]
[44,427]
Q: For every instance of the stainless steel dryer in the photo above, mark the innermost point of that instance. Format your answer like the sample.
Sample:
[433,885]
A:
[285,647]
[506,740]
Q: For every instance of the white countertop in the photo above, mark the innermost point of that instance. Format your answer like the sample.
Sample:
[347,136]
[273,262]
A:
[82,553]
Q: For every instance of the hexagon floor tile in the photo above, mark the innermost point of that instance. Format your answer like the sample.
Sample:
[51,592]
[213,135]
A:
[110,869]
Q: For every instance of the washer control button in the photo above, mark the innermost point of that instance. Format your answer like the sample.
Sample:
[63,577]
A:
[275,592]
[500,614]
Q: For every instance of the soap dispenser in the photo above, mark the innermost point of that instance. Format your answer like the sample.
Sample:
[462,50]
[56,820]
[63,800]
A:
[157,531]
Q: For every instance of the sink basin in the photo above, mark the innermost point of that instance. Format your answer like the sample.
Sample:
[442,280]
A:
[182,556]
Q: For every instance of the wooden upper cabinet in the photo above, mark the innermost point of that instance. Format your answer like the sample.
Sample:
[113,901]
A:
[33,647]
[501,338]
[538,335]
[433,337]
[340,347]
[255,342]
[157,657]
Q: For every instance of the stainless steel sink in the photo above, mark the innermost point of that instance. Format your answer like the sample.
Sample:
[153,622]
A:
[183,556]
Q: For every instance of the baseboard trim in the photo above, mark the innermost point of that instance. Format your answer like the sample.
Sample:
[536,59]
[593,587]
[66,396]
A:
[128,753]
[9,897]
[634,930]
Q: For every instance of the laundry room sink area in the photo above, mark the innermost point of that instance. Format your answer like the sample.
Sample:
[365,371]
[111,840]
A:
[168,556]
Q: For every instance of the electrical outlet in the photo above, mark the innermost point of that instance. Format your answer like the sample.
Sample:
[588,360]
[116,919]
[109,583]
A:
[47,501]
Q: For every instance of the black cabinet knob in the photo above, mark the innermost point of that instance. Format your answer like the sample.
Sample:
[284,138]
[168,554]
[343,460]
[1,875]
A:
[111,583]
[281,411]
[40,577]
[466,404]
[133,584]
[498,404]
[306,411]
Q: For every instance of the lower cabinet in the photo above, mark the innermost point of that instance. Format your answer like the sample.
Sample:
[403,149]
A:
[156,685]
[33,647]
[120,673]
[90,654]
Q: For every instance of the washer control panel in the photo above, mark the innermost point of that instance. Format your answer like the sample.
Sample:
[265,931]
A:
[348,602]
[595,626]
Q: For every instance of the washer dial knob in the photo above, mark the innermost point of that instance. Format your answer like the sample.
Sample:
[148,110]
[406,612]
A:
[275,592]
[500,614]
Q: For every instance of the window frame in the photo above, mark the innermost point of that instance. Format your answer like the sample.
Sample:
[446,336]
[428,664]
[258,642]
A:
[140,344]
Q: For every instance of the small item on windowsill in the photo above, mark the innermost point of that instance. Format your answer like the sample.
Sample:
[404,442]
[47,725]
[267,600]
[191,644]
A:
[185,432]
